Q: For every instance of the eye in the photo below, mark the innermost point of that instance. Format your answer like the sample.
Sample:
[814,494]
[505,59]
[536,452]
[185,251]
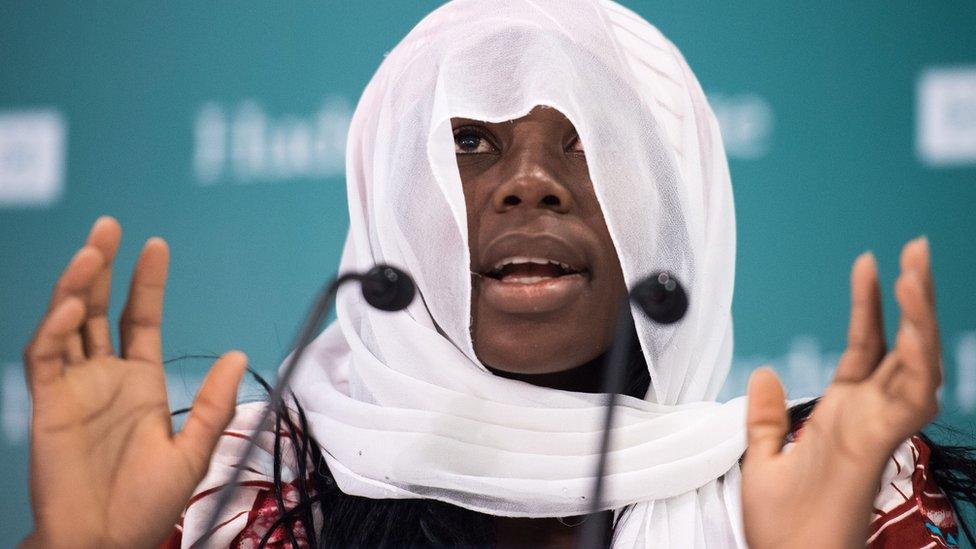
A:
[471,140]
[577,145]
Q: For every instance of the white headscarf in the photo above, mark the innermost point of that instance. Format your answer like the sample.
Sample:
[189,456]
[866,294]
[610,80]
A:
[400,404]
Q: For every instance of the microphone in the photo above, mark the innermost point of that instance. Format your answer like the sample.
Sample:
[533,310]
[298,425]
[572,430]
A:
[387,288]
[384,287]
[662,298]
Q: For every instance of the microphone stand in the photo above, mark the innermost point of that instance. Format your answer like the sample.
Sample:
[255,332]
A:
[384,287]
[613,379]
[662,298]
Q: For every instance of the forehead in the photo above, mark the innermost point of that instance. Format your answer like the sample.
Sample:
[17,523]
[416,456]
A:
[542,114]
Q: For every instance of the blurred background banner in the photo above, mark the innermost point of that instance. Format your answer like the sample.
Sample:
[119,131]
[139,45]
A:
[221,127]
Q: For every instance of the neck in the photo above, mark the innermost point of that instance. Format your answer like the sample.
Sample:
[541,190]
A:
[585,378]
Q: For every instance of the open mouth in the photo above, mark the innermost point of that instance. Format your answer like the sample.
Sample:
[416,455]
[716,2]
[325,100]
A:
[530,270]
[532,273]
[530,285]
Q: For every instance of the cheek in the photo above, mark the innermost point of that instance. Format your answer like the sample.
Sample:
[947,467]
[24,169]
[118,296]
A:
[474,223]
[614,293]
[476,198]
[612,287]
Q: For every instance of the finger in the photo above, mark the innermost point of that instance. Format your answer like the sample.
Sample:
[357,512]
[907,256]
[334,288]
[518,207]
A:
[44,356]
[139,326]
[912,384]
[915,257]
[96,334]
[918,322]
[766,420]
[78,276]
[212,410]
[887,370]
[76,280]
[865,332]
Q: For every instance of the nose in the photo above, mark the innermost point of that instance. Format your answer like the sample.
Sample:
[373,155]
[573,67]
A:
[533,182]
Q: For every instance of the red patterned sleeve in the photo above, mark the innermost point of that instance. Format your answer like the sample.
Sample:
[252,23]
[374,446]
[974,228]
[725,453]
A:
[261,517]
[253,509]
[910,511]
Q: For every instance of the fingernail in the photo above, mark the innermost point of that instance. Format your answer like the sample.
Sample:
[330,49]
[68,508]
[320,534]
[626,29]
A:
[105,218]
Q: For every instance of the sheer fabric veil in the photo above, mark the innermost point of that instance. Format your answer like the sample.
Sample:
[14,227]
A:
[400,404]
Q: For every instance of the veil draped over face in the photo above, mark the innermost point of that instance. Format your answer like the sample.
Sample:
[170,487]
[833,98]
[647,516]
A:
[400,404]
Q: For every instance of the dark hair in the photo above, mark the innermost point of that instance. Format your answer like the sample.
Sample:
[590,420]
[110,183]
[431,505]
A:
[354,521]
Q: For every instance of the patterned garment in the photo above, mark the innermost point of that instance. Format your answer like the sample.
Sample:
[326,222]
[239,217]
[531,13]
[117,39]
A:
[913,507]
[260,518]
[910,510]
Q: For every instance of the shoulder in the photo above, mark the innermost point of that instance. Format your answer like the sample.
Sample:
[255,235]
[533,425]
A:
[253,508]
[910,509]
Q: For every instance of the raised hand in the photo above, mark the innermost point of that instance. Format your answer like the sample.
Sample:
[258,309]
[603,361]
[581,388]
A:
[106,469]
[820,492]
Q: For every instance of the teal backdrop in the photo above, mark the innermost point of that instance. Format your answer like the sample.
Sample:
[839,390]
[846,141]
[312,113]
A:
[221,127]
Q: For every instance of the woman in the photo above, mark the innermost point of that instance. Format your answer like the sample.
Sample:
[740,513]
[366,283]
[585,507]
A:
[526,162]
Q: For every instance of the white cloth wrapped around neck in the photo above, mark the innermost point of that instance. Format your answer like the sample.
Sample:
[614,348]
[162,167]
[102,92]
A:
[400,404]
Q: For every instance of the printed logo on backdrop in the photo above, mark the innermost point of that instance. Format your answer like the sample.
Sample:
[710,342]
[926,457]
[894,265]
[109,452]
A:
[32,157]
[945,133]
[806,370]
[243,143]
[746,121]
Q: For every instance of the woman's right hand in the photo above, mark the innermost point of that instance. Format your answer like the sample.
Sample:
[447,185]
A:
[106,470]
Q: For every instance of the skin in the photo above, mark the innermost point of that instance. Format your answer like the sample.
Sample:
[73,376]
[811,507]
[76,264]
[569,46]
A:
[107,471]
[878,398]
[529,177]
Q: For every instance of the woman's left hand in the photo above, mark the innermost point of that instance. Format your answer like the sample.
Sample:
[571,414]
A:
[820,492]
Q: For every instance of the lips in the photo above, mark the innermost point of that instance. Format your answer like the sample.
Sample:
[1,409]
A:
[513,251]
[532,273]
[526,270]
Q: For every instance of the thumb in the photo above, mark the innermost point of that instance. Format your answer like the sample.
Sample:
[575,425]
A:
[213,408]
[766,420]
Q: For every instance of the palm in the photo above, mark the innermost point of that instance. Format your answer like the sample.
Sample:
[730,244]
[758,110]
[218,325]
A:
[822,488]
[106,469]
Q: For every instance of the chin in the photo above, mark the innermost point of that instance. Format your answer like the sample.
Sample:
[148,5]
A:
[528,346]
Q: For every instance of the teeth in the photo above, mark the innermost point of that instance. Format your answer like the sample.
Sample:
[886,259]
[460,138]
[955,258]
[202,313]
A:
[526,279]
[537,260]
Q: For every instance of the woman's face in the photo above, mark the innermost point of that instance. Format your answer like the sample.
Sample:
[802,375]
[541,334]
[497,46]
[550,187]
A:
[546,280]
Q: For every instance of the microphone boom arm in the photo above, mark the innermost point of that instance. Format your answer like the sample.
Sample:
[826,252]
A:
[613,380]
[384,287]
[663,300]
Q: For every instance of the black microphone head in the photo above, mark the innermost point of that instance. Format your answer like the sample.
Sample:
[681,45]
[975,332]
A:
[388,288]
[661,297]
